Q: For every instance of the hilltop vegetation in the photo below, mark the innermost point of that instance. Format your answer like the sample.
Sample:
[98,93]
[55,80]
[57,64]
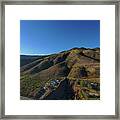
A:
[71,74]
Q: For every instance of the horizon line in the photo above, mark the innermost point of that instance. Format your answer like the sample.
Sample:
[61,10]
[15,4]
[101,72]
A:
[54,53]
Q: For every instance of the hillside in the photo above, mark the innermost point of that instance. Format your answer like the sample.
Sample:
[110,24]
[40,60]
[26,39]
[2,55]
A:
[25,59]
[71,74]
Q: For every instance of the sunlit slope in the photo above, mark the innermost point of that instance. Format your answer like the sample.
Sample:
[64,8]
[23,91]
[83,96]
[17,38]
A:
[76,64]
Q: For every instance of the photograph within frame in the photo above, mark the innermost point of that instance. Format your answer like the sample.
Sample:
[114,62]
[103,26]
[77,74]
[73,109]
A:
[60,59]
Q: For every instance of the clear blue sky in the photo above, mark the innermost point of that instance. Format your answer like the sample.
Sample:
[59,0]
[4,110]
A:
[53,36]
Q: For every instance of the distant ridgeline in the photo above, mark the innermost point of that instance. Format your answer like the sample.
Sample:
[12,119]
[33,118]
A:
[68,75]
[25,59]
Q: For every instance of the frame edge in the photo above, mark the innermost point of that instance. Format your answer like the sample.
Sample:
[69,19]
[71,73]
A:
[2,62]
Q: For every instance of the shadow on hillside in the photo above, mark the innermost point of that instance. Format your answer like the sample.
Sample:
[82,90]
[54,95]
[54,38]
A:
[63,92]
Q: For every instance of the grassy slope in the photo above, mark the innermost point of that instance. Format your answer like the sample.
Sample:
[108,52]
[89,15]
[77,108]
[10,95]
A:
[71,64]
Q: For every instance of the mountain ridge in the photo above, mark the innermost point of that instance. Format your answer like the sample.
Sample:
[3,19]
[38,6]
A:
[73,64]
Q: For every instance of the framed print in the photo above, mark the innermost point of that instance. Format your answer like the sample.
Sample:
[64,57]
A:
[60,59]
